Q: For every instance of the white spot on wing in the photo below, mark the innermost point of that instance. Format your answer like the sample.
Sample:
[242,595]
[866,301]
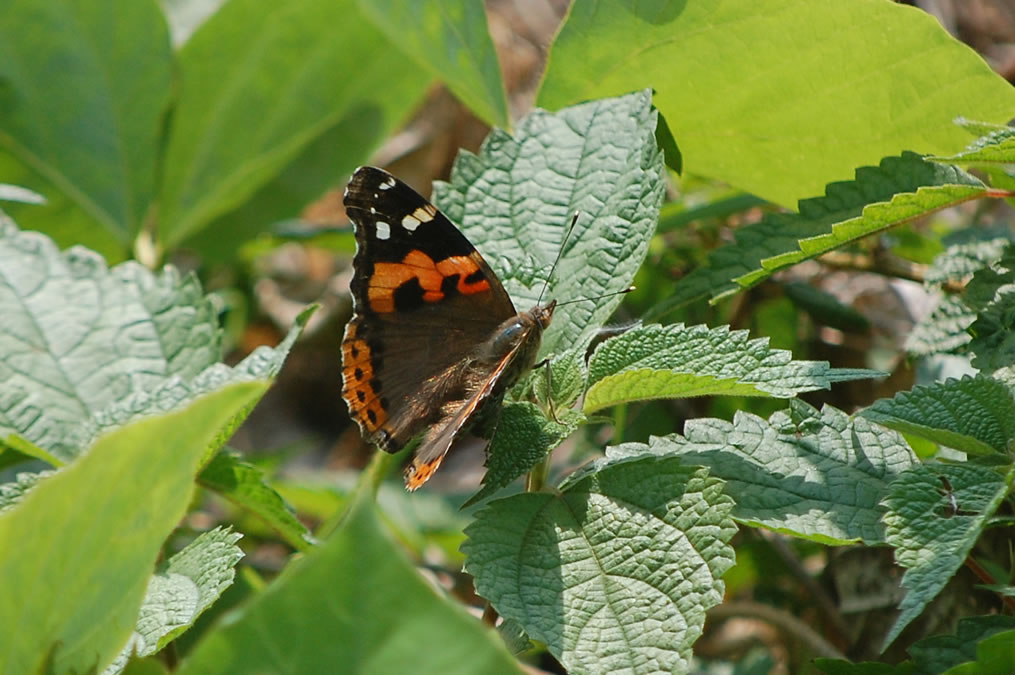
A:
[410,223]
[383,230]
[387,184]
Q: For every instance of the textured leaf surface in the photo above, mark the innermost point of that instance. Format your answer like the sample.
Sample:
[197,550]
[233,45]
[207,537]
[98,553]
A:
[82,103]
[676,361]
[244,485]
[898,189]
[76,598]
[450,40]
[86,348]
[821,92]
[524,437]
[943,331]
[991,294]
[13,492]
[818,475]
[974,414]
[355,601]
[193,579]
[616,572]
[995,148]
[293,71]
[936,512]
[516,198]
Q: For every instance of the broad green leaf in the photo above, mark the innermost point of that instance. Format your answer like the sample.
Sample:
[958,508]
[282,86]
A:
[515,201]
[897,190]
[565,379]
[354,605]
[817,475]
[523,439]
[975,414]
[675,361]
[87,348]
[73,601]
[780,97]
[944,653]
[85,88]
[193,579]
[244,485]
[944,330]
[258,84]
[451,41]
[615,573]
[936,512]
[995,148]
[991,294]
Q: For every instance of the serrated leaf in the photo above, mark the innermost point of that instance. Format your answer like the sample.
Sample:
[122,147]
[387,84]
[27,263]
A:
[944,329]
[782,123]
[13,492]
[86,348]
[936,512]
[83,101]
[192,580]
[817,475]
[991,293]
[898,189]
[354,604]
[76,598]
[243,484]
[992,149]
[450,40]
[616,572]
[977,248]
[226,142]
[654,361]
[523,439]
[516,198]
[975,414]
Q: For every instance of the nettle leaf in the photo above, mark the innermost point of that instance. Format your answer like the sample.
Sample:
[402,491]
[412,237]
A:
[975,414]
[973,642]
[13,492]
[523,439]
[656,361]
[780,124]
[452,41]
[83,101]
[944,330]
[615,573]
[192,580]
[991,293]
[87,348]
[116,504]
[936,512]
[244,485]
[515,201]
[897,190]
[992,149]
[352,605]
[566,379]
[816,475]
[295,71]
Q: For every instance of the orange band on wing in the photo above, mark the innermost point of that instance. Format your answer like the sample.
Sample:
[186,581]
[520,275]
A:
[417,265]
[365,405]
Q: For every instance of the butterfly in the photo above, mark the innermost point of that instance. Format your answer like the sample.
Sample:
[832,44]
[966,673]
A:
[434,341]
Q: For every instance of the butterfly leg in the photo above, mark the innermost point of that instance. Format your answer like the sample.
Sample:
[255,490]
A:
[549,388]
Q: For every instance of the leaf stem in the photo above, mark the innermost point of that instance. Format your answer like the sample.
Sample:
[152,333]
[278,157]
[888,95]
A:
[536,480]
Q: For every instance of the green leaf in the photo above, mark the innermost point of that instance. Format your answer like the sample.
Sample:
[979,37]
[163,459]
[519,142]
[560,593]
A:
[654,361]
[88,348]
[975,414]
[817,475]
[354,604]
[73,601]
[243,484]
[515,201]
[897,190]
[825,308]
[293,71]
[991,293]
[995,148]
[13,492]
[85,88]
[450,40]
[616,572]
[944,331]
[193,579]
[780,118]
[936,512]
[523,439]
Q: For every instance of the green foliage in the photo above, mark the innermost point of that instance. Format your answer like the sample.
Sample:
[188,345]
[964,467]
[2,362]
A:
[116,140]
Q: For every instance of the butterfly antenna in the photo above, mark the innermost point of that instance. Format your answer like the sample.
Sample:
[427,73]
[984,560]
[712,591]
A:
[597,297]
[560,252]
